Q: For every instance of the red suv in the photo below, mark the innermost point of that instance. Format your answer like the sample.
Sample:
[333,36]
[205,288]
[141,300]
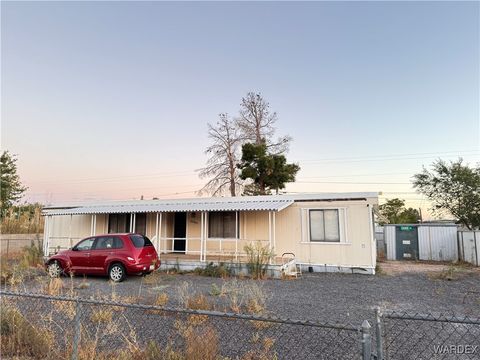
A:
[115,255]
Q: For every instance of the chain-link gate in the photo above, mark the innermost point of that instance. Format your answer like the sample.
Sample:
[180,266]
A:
[407,335]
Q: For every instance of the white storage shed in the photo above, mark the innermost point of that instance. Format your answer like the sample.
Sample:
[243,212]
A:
[436,242]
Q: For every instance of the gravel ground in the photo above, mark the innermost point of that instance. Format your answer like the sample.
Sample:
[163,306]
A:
[334,298]
[339,298]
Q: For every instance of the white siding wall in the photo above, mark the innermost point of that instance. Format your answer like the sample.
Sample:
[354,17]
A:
[389,237]
[438,243]
[470,246]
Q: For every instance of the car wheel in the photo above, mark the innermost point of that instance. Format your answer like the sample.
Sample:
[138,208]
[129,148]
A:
[54,269]
[117,272]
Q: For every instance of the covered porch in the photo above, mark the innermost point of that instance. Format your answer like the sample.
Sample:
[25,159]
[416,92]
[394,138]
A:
[215,230]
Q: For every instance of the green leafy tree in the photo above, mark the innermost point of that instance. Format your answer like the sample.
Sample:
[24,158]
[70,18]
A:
[394,212]
[11,189]
[267,171]
[454,188]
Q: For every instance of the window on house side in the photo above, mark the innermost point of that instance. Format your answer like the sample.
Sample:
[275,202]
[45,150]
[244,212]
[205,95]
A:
[221,224]
[324,225]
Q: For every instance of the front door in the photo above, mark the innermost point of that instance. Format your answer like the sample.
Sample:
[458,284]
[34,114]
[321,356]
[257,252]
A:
[407,242]
[180,231]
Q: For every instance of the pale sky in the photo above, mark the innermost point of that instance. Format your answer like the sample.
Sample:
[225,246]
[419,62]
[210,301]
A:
[110,100]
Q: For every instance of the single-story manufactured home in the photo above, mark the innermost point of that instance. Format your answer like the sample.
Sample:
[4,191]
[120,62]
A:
[324,231]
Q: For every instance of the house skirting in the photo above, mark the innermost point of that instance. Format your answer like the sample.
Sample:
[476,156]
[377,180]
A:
[274,270]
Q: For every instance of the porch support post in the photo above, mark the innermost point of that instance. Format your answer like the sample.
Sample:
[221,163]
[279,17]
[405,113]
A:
[202,215]
[91,226]
[205,236]
[270,231]
[274,232]
[70,231]
[186,233]
[156,232]
[236,235]
[134,222]
[94,224]
[46,239]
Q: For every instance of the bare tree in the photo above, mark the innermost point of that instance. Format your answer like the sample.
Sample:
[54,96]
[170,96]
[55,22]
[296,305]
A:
[256,124]
[223,158]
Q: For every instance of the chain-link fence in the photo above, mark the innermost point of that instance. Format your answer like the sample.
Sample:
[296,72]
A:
[407,335]
[60,327]
[43,326]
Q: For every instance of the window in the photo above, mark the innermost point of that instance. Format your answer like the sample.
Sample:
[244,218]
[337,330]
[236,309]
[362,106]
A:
[118,223]
[140,241]
[324,225]
[85,244]
[222,224]
[108,242]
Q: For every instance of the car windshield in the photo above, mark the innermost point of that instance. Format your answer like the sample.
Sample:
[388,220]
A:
[140,241]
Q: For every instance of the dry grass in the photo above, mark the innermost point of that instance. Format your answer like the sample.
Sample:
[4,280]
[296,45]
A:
[453,272]
[20,338]
[244,296]
[152,279]
[53,287]
[199,302]
[24,219]
[21,265]
[102,315]
[262,348]
[201,340]
[161,299]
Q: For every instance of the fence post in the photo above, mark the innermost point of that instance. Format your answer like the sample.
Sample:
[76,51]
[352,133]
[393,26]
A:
[379,342]
[366,341]
[76,329]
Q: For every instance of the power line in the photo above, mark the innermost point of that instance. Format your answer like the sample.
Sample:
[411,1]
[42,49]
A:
[352,182]
[393,156]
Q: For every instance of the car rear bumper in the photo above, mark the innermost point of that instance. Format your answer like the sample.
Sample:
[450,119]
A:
[142,268]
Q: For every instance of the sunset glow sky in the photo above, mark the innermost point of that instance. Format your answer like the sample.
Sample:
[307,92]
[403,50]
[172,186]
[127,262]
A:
[110,100]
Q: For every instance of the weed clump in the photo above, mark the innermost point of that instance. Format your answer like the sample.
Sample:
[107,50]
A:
[258,259]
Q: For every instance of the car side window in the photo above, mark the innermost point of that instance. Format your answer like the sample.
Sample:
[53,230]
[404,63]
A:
[85,244]
[103,243]
[117,243]
[108,242]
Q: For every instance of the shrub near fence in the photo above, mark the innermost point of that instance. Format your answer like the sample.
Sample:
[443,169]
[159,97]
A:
[59,327]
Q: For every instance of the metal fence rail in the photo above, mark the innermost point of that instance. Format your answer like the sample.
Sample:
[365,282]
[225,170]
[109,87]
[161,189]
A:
[86,328]
[406,335]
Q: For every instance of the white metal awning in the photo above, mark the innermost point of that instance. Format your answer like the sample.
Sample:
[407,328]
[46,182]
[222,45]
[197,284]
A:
[174,206]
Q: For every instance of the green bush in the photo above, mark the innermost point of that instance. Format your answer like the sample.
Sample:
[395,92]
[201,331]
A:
[211,270]
[258,258]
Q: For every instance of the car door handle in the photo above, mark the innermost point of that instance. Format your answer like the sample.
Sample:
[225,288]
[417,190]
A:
[87,254]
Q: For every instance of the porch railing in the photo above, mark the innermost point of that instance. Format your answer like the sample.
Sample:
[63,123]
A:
[223,247]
